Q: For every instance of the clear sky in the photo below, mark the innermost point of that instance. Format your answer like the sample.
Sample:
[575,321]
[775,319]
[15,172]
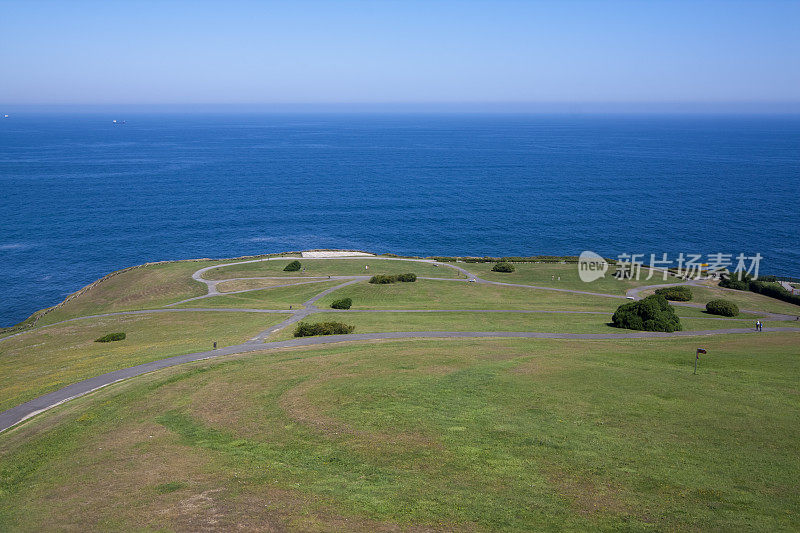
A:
[432,51]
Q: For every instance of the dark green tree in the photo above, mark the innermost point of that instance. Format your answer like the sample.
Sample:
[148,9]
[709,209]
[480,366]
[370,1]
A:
[294,266]
[653,313]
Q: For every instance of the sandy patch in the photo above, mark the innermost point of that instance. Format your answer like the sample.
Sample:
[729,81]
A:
[334,253]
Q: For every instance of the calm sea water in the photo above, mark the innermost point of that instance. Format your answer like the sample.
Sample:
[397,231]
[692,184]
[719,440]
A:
[81,196]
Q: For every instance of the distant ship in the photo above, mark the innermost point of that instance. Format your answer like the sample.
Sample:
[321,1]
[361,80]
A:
[115,121]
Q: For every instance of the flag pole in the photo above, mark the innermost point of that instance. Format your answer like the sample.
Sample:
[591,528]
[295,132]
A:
[697,357]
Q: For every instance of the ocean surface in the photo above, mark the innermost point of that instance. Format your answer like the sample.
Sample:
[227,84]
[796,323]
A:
[81,196]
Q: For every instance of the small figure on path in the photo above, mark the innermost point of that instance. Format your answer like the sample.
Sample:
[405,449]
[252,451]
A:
[215,345]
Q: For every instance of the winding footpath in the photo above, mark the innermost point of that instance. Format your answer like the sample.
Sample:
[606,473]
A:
[24,411]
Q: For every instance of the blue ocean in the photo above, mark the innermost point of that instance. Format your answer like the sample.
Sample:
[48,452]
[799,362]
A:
[82,195]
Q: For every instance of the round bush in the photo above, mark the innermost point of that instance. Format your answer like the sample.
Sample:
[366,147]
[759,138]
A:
[676,294]
[344,303]
[650,314]
[386,278]
[736,280]
[294,266]
[306,329]
[722,308]
[503,266]
[111,337]
[382,279]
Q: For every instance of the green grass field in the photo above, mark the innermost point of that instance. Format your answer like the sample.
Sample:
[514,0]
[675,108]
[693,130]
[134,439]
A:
[430,294]
[251,284]
[413,435]
[46,359]
[538,322]
[700,312]
[547,274]
[332,267]
[276,298]
[501,434]
[147,287]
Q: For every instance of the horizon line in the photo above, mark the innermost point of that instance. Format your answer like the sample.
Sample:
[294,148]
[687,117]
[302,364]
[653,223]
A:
[596,107]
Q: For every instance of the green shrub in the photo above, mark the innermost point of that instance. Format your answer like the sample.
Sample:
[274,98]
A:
[294,266]
[111,337]
[773,290]
[344,303]
[306,329]
[722,307]
[676,294]
[766,285]
[503,266]
[650,314]
[382,279]
[386,278]
[735,280]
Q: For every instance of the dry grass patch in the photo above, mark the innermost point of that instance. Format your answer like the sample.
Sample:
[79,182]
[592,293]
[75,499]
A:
[588,496]
[145,287]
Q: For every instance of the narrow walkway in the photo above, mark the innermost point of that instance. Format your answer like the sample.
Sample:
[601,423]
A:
[22,412]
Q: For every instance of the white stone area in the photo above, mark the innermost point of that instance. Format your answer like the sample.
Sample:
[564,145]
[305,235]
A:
[334,253]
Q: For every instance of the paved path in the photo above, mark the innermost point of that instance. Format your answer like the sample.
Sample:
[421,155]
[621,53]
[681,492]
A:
[217,293]
[17,414]
[23,411]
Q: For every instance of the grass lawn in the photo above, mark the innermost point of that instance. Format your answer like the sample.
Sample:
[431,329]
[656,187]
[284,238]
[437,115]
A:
[699,312]
[333,267]
[147,287]
[277,298]
[542,274]
[250,284]
[539,322]
[429,294]
[744,299]
[46,359]
[500,434]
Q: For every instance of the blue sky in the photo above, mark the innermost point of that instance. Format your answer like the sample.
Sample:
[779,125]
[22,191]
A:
[506,53]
